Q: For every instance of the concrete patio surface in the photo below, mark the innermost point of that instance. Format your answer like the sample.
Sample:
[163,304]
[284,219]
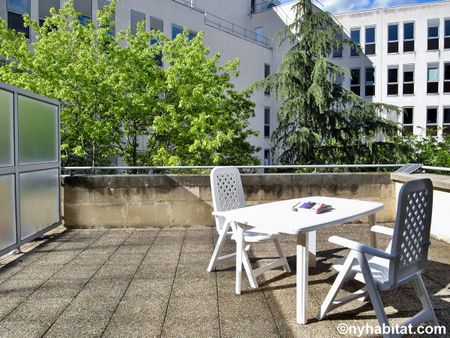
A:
[153,283]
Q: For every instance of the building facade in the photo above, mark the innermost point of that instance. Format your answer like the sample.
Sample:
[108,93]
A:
[405,59]
[405,62]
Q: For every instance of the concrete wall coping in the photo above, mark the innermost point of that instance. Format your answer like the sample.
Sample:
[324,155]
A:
[172,180]
[440,182]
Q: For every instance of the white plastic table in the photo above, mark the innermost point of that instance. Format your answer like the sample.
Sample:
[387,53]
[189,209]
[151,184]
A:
[279,217]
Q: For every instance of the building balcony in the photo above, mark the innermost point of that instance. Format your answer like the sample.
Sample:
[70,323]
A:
[263,5]
[131,261]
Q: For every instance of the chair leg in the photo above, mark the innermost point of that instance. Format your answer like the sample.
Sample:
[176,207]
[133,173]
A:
[373,290]
[218,248]
[419,285]
[286,267]
[249,270]
[340,279]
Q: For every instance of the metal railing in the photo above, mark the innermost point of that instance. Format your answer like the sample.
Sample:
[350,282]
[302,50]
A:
[236,30]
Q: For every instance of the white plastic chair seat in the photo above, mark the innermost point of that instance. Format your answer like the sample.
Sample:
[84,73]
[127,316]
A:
[252,235]
[379,268]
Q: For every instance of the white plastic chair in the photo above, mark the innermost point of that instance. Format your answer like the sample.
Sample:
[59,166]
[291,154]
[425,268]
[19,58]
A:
[403,261]
[228,194]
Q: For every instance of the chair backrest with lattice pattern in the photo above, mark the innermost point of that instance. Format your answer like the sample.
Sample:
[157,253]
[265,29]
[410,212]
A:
[226,190]
[411,237]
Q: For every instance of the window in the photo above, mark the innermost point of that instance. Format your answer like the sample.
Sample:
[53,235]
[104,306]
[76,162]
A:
[355,83]
[266,122]
[44,9]
[408,79]
[339,80]
[370,81]
[259,34]
[100,5]
[84,7]
[432,121]
[176,30]
[446,118]
[393,38]
[16,9]
[446,77]
[408,37]
[408,124]
[433,35]
[355,36]
[266,74]
[337,50]
[392,88]
[156,25]
[433,79]
[370,41]
[267,160]
[136,17]
[447,34]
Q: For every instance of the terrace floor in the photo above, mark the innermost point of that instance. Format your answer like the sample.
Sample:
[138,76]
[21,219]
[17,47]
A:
[153,283]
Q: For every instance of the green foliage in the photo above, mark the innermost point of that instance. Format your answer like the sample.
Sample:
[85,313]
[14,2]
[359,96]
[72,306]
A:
[321,122]
[429,151]
[113,92]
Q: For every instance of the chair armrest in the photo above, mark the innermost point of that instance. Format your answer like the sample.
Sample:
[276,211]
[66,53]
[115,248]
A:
[382,230]
[347,243]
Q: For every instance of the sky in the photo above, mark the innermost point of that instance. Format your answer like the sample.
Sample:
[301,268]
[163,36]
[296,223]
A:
[337,6]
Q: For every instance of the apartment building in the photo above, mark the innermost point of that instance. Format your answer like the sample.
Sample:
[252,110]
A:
[405,59]
[241,29]
[405,62]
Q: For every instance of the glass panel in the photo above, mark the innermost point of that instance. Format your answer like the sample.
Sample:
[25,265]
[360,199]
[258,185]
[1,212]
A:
[15,21]
[447,27]
[370,75]
[446,115]
[433,32]
[408,116]
[20,6]
[6,129]
[408,76]
[393,32]
[370,35]
[45,5]
[266,115]
[409,30]
[447,72]
[432,115]
[37,131]
[192,35]
[7,212]
[136,17]
[355,35]
[39,200]
[392,75]
[433,74]
[84,7]
[355,74]
[156,24]
[176,30]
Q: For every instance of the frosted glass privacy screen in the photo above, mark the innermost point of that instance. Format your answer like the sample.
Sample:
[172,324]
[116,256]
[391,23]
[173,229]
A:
[7,211]
[6,129]
[38,130]
[39,200]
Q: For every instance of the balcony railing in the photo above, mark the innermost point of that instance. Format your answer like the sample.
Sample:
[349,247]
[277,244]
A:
[239,31]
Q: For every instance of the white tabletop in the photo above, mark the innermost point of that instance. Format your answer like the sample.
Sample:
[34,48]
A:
[279,216]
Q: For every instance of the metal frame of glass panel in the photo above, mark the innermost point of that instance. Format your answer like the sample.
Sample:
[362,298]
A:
[17,169]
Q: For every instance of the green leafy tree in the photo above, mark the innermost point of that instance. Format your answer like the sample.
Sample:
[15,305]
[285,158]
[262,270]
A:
[202,119]
[113,92]
[319,121]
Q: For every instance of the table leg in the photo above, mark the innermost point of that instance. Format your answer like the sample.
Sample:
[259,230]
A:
[373,236]
[239,248]
[302,277]
[312,240]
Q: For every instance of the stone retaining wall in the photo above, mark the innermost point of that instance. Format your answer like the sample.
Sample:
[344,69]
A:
[185,200]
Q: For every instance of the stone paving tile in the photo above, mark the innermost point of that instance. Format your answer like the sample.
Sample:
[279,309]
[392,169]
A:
[152,283]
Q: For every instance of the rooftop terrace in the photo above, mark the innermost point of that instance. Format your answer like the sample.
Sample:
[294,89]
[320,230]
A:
[153,282]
